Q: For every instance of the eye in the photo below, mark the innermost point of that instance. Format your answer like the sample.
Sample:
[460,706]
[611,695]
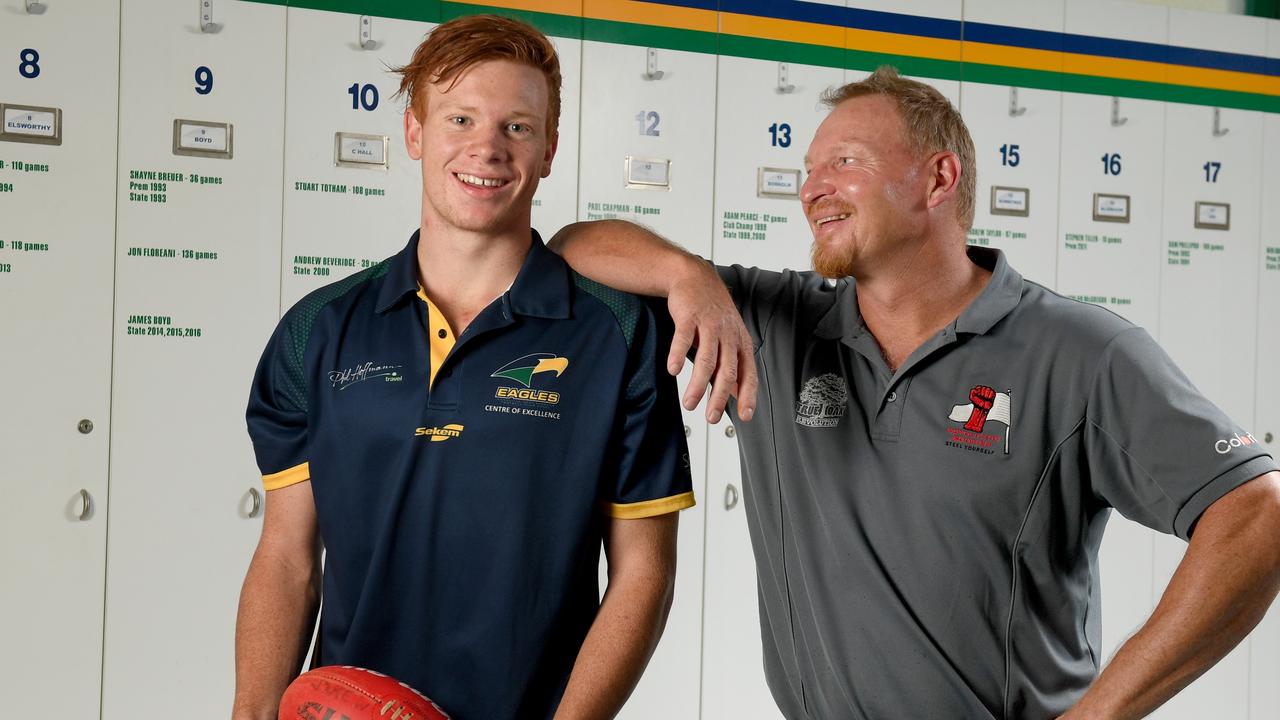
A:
[458,120]
[517,128]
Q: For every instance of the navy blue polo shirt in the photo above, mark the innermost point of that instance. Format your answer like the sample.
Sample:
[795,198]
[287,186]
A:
[462,516]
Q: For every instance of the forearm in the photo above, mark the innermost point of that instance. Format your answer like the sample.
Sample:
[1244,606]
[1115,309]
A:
[1220,591]
[626,256]
[617,648]
[274,624]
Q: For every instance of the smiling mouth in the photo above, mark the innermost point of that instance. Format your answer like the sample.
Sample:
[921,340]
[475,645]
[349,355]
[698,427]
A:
[829,218]
[477,181]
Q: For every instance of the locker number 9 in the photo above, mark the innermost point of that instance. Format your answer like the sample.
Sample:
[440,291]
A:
[30,66]
[204,80]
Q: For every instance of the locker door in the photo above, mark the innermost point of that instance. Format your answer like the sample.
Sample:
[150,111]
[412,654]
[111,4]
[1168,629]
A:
[1209,286]
[1264,649]
[58,205]
[340,216]
[1015,132]
[763,128]
[646,155]
[1110,252]
[198,266]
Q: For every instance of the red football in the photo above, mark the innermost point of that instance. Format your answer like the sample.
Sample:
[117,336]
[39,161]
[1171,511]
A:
[350,693]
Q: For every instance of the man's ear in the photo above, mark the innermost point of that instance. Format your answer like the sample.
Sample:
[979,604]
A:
[412,134]
[944,171]
[551,153]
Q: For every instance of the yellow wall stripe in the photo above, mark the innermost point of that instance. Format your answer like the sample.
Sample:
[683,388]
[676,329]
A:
[642,13]
[1026,58]
[650,508]
[895,44]
[784,30]
[285,478]
[569,8]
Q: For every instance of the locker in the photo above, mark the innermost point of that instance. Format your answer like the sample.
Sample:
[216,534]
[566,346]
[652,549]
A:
[1015,119]
[1264,648]
[645,156]
[198,267]
[759,222]
[342,218]
[1109,254]
[1209,286]
[58,205]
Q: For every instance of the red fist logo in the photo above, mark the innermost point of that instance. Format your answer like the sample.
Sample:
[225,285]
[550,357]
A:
[983,398]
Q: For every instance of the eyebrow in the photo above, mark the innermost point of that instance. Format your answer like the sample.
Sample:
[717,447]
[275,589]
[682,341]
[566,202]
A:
[520,114]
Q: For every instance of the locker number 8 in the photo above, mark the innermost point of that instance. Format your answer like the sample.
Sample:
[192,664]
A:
[651,116]
[30,67]
[781,134]
[204,80]
[363,96]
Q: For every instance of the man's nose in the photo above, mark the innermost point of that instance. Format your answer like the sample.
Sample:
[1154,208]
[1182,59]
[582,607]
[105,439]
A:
[489,144]
[815,187]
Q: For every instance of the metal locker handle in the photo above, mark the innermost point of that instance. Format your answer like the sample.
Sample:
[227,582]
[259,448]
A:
[35,7]
[257,502]
[730,496]
[86,505]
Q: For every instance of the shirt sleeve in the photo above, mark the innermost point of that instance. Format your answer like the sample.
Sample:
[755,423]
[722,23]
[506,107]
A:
[652,472]
[755,292]
[1156,449]
[277,413]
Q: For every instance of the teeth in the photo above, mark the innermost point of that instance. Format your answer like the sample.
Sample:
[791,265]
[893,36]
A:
[825,220]
[479,181]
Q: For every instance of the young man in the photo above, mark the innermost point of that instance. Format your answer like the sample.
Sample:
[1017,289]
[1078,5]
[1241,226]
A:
[938,444]
[460,426]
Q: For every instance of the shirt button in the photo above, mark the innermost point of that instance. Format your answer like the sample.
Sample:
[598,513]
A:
[893,396]
[442,334]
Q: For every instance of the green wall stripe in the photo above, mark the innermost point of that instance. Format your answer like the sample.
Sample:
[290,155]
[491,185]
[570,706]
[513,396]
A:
[420,10]
[780,51]
[565,26]
[650,36]
[906,64]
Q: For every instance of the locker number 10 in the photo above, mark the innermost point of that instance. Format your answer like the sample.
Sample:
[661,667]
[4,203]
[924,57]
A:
[781,134]
[363,96]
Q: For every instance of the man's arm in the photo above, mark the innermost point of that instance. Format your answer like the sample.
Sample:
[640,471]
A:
[277,603]
[1220,591]
[642,565]
[633,259]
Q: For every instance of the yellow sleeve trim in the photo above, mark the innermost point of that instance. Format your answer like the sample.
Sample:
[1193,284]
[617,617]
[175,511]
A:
[285,478]
[650,508]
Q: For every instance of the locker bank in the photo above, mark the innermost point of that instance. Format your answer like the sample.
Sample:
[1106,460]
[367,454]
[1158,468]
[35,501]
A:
[174,175]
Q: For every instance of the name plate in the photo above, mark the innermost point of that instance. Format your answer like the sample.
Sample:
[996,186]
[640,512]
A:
[361,151]
[777,182]
[197,138]
[31,124]
[647,174]
[1213,216]
[1110,208]
[1010,201]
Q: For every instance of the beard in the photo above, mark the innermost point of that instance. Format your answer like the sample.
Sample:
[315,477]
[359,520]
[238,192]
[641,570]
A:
[832,260]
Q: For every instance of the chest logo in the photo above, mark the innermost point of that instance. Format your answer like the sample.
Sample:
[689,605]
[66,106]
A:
[524,368]
[985,406]
[343,379]
[823,401]
[439,434]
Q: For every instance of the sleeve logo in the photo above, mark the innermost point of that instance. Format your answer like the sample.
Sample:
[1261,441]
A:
[1225,446]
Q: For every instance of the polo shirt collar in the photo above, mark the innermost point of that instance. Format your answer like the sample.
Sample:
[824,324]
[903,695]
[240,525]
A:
[996,300]
[541,288]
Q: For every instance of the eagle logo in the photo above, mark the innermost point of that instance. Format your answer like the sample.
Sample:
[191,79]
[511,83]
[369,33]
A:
[524,368]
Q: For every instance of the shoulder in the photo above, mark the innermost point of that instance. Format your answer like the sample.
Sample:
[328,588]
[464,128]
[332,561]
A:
[1052,319]
[630,312]
[339,298]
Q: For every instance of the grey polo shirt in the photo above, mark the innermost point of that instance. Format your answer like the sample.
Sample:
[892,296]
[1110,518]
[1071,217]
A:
[926,540]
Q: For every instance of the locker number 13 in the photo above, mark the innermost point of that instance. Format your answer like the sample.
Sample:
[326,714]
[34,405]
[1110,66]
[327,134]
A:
[780,134]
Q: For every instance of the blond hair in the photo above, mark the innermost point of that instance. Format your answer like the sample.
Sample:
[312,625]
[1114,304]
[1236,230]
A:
[930,123]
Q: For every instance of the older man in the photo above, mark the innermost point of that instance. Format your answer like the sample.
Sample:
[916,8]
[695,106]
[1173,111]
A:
[938,443]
